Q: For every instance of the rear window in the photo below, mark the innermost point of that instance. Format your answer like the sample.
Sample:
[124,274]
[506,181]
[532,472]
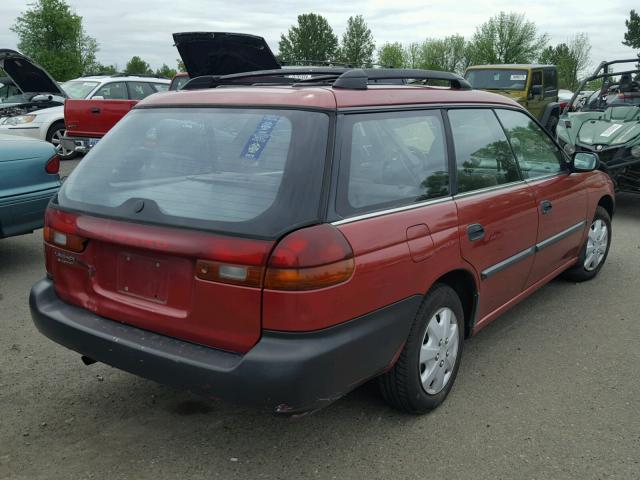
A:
[240,171]
[497,79]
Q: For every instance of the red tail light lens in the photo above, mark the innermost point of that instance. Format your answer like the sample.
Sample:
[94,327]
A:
[309,259]
[60,231]
[53,165]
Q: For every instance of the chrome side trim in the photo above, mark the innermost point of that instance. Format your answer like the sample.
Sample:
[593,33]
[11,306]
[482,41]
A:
[507,263]
[380,213]
[489,189]
[546,177]
[559,236]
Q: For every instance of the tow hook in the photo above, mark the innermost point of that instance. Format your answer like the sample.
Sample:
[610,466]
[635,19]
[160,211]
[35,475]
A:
[87,361]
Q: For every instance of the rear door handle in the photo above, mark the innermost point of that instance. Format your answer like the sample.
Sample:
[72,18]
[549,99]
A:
[95,110]
[475,231]
[546,206]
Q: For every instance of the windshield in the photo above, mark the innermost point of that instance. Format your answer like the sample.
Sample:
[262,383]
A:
[78,88]
[497,79]
[242,171]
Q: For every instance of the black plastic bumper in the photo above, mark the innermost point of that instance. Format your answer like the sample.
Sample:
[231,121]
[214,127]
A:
[285,372]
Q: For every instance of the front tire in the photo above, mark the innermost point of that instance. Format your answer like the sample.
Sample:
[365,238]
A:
[552,125]
[425,371]
[595,249]
[54,137]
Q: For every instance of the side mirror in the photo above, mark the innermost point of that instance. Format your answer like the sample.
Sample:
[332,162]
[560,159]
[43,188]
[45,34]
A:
[536,91]
[42,98]
[585,162]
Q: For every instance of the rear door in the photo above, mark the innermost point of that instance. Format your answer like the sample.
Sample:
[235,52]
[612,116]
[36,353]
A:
[560,195]
[497,215]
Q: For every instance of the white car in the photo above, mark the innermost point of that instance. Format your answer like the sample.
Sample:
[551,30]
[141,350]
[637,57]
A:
[26,117]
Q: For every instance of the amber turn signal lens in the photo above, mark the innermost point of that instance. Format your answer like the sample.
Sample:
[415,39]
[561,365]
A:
[245,275]
[63,240]
[310,278]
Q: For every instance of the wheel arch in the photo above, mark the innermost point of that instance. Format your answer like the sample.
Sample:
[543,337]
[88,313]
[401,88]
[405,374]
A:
[607,202]
[464,284]
[549,110]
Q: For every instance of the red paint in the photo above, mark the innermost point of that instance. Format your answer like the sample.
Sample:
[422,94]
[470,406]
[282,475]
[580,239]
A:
[94,118]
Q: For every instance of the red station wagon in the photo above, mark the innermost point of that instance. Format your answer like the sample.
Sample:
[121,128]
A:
[279,238]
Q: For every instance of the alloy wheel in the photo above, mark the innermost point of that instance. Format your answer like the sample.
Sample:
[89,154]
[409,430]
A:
[56,141]
[597,243]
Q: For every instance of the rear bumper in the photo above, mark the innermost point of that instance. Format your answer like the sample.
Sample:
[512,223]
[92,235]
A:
[284,372]
[24,213]
[78,144]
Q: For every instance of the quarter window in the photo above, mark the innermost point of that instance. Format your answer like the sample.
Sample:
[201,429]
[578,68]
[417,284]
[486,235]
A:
[483,156]
[536,153]
[391,159]
[112,91]
[550,83]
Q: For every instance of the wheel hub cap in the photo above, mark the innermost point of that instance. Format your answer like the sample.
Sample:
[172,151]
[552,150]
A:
[597,243]
[439,351]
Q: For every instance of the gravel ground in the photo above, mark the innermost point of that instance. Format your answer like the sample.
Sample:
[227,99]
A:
[549,391]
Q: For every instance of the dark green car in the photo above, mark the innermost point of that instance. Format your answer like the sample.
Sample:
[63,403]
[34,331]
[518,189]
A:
[608,123]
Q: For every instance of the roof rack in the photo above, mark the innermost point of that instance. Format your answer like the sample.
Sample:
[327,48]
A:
[338,77]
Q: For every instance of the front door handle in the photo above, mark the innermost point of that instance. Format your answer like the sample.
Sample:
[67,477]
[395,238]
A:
[475,231]
[95,110]
[546,206]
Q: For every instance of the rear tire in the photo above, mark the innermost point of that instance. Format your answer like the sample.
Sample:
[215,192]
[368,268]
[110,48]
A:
[595,249]
[425,371]
[54,135]
[552,125]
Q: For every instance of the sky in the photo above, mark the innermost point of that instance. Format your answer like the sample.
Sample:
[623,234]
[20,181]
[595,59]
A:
[143,27]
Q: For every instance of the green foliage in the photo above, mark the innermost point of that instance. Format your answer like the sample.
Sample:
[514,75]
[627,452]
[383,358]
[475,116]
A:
[392,55]
[571,58]
[449,54]
[312,39]
[357,43]
[166,71]
[180,65]
[632,35]
[137,66]
[100,69]
[507,38]
[52,35]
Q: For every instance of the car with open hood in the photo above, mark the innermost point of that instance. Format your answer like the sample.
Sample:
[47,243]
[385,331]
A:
[608,123]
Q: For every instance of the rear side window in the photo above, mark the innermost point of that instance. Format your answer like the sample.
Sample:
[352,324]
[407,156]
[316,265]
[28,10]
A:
[139,90]
[160,87]
[391,159]
[112,91]
[239,171]
[536,153]
[550,82]
[483,156]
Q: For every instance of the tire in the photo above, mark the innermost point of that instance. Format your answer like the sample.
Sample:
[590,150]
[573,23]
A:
[552,125]
[55,132]
[586,269]
[402,387]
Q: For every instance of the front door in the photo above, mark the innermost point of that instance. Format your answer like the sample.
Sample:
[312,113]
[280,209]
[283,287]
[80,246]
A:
[497,214]
[561,196]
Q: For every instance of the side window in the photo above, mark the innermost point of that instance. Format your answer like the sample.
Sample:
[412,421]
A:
[550,83]
[536,78]
[483,156]
[536,153]
[112,91]
[160,87]
[139,90]
[390,159]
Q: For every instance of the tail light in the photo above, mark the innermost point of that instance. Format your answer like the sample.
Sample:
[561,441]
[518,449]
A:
[53,165]
[59,230]
[310,258]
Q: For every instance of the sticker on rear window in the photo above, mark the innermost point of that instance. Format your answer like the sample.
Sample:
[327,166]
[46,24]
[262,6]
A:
[611,130]
[518,77]
[259,138]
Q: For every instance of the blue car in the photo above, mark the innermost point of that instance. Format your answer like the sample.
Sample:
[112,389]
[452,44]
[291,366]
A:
[28,179]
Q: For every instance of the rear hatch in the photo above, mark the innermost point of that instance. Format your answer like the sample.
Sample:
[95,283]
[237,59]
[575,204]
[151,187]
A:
[176,212]
[94,118]
[221,53]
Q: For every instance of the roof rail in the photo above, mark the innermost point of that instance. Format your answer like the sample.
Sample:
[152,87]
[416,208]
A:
[338,77]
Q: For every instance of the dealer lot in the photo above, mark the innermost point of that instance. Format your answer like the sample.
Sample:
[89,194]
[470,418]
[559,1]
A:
[549,390]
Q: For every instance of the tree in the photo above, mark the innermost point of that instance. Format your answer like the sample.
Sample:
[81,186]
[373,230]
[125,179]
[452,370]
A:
[412,55]
[99,69]
[507,38]
[166,71]
[312,39]
[180,65]
[448,54]
[357,43]
[392,55]
[571,58]
[53,36]
[632,35]
[137,66]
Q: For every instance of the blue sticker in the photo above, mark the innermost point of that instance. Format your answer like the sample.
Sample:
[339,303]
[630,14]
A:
[260,137]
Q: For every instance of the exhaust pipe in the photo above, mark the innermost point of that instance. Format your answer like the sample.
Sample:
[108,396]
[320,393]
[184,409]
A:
[87,361]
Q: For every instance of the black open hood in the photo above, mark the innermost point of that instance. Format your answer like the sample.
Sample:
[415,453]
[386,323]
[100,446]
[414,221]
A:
[220,53]
[27,75]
